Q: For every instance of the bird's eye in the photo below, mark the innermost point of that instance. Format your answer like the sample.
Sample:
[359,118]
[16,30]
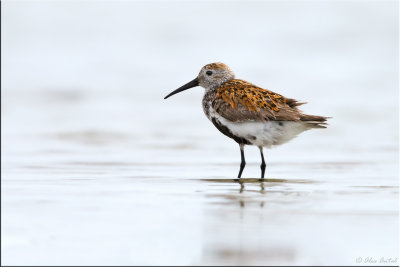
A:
[209,72]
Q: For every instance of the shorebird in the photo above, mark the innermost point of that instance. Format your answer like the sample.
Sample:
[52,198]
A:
[249,114]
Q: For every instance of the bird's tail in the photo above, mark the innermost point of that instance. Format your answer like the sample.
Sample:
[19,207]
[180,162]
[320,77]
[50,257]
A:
[314,121]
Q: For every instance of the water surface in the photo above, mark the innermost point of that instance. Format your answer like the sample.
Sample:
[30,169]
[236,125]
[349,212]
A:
[98,169]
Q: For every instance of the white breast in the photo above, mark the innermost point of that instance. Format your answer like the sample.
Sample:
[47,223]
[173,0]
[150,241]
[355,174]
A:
[266,134]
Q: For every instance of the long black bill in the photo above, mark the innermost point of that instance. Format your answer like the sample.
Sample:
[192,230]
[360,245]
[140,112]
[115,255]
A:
[189,85]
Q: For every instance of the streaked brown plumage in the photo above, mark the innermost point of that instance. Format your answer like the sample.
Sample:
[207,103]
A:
[239,100]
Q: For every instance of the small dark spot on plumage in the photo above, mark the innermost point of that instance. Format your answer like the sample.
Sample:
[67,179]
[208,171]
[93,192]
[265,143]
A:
[252,137]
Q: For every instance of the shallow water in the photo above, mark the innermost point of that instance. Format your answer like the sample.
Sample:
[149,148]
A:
[121,197]
[99,169]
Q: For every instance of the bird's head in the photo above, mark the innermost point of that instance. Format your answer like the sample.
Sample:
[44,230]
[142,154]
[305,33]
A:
[211,76]
[214,74]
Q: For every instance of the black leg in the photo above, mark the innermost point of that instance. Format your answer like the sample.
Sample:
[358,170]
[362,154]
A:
[243,161]
[263,165]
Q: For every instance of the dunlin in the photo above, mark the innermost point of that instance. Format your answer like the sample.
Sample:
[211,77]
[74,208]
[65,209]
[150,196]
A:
[248,114]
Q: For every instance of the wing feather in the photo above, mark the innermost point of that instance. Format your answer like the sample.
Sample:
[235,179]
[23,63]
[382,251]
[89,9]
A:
[238,100]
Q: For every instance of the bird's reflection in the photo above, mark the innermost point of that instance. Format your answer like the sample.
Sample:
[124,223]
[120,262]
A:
[242,182]
[242,188]
[247,187]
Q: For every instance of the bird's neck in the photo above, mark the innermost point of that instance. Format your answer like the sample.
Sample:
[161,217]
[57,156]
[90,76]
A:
[209,95]
[215,86]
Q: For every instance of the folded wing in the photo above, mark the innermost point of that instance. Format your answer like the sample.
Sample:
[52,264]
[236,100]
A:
[239,101]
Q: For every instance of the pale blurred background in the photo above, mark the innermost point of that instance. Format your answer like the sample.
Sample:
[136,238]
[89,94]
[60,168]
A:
[98,169]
